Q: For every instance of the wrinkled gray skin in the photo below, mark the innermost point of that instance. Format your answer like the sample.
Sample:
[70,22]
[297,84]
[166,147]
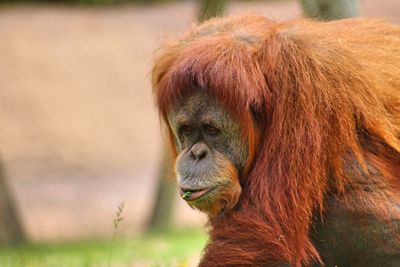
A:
[207,140]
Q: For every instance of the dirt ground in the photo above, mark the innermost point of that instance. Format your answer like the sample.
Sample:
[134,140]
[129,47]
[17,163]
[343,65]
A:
[79,133]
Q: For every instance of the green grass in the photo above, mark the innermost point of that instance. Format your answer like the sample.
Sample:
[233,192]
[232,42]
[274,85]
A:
[172,248]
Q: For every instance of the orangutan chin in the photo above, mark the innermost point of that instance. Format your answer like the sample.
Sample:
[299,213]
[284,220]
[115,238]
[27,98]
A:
[287,134]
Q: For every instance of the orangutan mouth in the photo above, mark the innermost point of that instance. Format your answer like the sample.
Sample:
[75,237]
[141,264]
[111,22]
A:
[193,194]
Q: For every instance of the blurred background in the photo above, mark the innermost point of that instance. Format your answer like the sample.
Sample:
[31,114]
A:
[83,180]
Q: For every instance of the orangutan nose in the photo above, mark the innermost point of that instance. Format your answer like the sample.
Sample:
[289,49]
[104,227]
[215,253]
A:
[199,151]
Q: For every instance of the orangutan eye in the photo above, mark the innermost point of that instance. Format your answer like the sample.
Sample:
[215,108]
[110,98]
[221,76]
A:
[210,130]
[186,130]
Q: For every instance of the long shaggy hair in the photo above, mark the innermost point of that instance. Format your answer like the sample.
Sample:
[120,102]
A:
[311,97]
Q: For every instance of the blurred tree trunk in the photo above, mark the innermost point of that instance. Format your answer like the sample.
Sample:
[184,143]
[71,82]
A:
[329,9]
[11,231]
[163,208]
[211,8]
[165,197]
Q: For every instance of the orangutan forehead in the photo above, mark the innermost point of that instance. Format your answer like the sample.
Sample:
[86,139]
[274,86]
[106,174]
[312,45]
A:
[194,104]
[198,104]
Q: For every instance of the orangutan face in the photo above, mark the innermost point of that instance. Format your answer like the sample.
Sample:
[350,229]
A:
[211,153]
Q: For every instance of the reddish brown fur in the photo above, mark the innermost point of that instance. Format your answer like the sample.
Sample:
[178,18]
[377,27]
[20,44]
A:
[322,92]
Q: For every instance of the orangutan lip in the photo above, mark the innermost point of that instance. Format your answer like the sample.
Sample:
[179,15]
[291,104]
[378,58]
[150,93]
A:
[193,194]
